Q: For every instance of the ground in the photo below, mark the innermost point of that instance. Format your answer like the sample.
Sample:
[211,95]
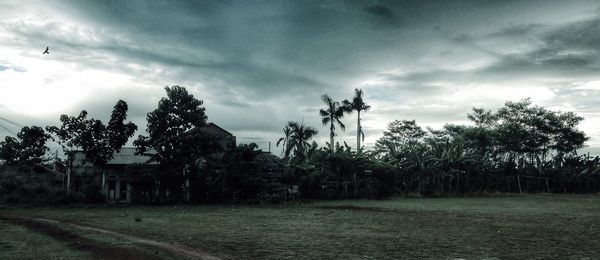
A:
[496,227]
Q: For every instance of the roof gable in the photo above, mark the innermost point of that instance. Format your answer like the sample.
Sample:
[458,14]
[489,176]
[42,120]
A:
[214,129]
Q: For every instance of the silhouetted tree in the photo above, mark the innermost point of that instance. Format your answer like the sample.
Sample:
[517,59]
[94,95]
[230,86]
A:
[33,144]
[331,115]
[100,142]
[399,137]
[300,137]
[357,105]
[27,149]
[10,149]
[97,141]
[174,139]
[284,141]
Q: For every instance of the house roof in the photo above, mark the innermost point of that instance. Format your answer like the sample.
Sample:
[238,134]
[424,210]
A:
[270,163]
[126,155]
[214,129]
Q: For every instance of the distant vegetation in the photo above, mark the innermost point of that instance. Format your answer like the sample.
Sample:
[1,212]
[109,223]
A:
[520,147]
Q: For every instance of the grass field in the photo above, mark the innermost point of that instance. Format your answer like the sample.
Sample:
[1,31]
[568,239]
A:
[17,242]
[502,227]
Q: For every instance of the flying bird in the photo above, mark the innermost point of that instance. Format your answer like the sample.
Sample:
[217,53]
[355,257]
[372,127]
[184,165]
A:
[46,51]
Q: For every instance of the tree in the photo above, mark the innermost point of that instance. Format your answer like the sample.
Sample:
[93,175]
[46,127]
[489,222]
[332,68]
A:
[33,144]
[100,142]
[10,150]
[27,149]
[240,177]
[287,131]
[169,126]
[400,135]
[528,134]
[70,131]
[357,105]
[97,141]
[332,115]
[174,139]
[300,137]
[482,117]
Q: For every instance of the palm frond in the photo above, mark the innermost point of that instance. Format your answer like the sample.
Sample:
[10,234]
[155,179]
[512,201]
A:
[282,139]
[342,126]
[323,113]
[327,99]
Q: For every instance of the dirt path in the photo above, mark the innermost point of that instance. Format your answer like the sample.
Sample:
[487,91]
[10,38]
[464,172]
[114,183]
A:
[53,229]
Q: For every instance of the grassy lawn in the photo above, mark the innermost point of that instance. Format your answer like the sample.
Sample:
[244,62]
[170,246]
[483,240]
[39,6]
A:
[17,242]
[508,226]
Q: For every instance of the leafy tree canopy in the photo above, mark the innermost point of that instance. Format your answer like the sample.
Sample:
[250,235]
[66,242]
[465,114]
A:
[28,148]
[99,142]
[173,137]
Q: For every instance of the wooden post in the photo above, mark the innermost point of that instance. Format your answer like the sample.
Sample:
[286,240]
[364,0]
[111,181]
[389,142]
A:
[519,181]
[187,189]
[128,192]
[103,183]
[68,182]
[187,184]
[355,186]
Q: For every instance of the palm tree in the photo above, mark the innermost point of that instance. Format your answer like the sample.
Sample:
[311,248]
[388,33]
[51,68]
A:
[300,135]
[332,115]
[287,131]
[357,105]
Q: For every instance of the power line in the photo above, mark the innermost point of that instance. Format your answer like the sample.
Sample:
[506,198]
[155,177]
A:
[5,128]
[11,122]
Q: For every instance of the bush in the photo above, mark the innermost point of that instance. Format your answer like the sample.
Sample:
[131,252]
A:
[17,191]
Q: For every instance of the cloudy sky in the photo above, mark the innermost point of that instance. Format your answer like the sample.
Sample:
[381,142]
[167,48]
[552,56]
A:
[259,64]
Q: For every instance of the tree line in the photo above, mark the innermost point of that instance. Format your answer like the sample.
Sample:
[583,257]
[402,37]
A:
[521,147]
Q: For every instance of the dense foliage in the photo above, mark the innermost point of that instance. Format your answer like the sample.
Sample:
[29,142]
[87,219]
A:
[520,139]
[99,142]
[169,140]
[175,141]
[521,147]
[27,149]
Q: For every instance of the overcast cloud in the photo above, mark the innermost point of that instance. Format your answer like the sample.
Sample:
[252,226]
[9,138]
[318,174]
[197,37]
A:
[259,64]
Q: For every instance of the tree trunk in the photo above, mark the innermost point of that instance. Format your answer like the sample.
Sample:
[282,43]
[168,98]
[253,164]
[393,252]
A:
[355,185]
[187,184]
[69,183]
[457,182]
[358,133]
[331,145]
[103,186]
[70,170]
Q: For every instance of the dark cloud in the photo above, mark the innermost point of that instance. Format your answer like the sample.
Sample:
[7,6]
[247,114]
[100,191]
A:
[573,48]
[518,31]
[381,11]
[258,65]
[583,35]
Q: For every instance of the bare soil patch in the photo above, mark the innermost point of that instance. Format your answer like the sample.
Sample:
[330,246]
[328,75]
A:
[97,250]
[350,207]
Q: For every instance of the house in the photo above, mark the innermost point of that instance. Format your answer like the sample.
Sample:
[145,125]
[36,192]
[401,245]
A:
[114,182]
[226,140]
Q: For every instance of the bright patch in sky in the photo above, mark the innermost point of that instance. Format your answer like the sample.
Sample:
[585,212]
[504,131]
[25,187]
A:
[43,86]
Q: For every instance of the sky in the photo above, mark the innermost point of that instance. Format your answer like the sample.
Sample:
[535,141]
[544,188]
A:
[259,64]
